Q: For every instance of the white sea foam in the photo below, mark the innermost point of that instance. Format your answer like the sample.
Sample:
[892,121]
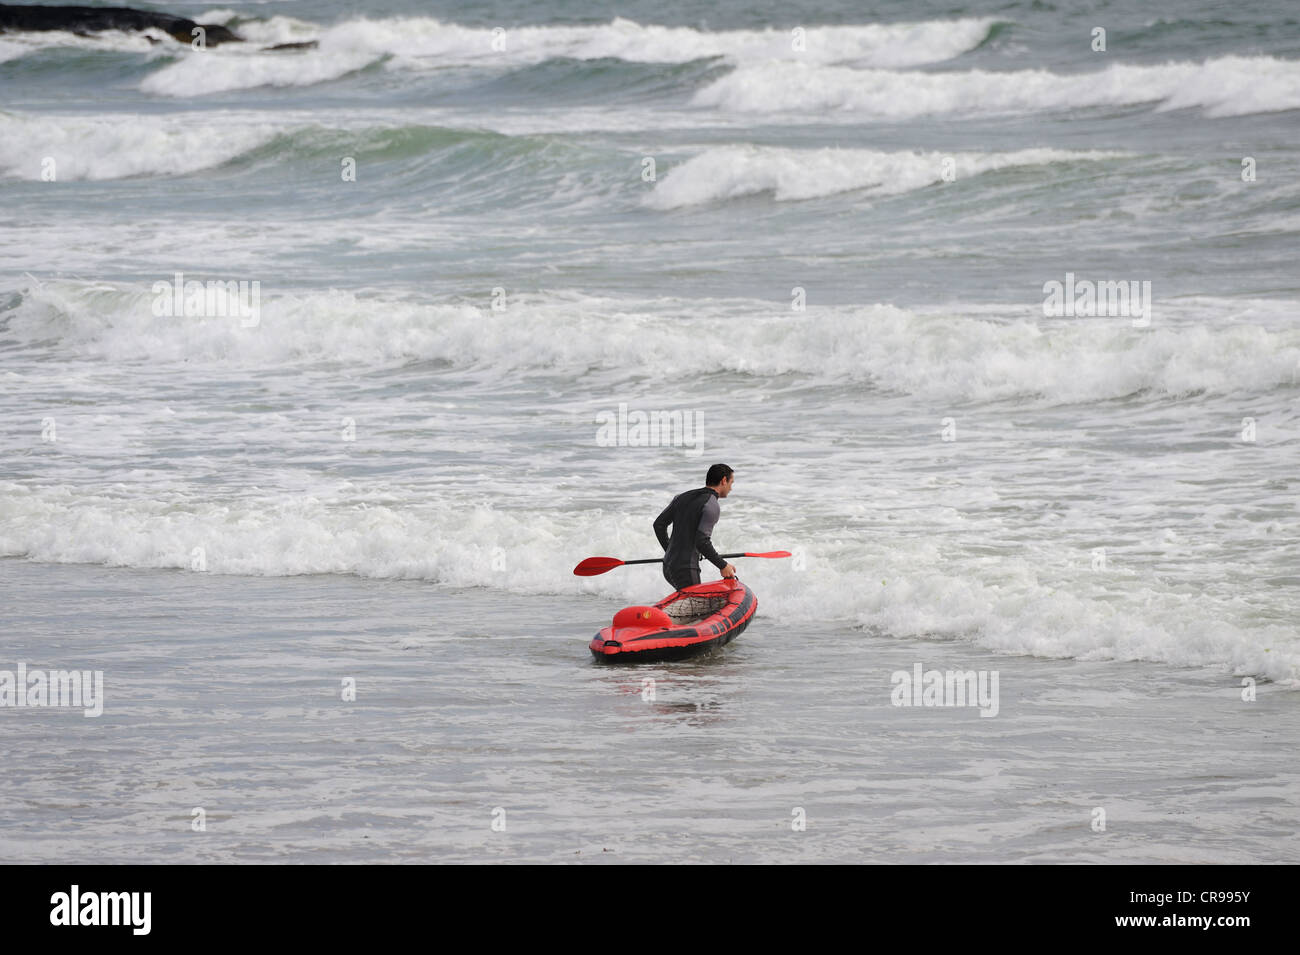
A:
[12,51]
[726,172]
[109,147]
[151,42]
[900,584]
[1226,86]
[942,355]
[422,43]
[884,45]
[239,67]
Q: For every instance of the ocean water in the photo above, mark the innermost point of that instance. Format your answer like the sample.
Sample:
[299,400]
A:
[819,244]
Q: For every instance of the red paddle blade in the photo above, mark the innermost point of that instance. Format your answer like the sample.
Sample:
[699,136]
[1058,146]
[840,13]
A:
[772,553]
[596,565]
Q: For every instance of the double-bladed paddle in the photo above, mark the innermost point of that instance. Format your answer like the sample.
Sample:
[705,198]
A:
[600,565]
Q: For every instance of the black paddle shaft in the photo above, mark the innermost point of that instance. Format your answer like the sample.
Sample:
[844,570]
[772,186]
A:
[660,560]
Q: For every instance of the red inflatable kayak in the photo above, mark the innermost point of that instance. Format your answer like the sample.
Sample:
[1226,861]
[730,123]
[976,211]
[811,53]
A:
[687,622]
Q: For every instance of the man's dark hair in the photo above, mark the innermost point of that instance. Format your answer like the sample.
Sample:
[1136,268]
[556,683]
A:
[716,474]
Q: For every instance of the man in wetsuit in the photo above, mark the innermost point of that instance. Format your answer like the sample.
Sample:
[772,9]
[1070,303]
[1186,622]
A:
[692,515]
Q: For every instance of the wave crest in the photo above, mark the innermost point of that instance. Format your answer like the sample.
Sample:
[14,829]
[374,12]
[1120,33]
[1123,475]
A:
[1227,86]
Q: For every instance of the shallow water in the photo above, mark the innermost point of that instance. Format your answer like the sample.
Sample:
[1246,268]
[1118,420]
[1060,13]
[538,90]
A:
[824,257]
[225,694]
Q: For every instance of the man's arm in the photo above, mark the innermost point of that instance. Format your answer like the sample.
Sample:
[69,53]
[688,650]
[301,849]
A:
[662,522]
[703,540]
[705,547]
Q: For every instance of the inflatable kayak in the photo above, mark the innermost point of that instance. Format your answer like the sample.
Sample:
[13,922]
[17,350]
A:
[684,623]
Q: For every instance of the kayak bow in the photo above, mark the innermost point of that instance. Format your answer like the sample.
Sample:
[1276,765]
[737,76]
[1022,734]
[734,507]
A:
[684,623]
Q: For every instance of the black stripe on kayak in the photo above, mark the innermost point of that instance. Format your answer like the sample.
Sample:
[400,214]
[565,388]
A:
[716,635]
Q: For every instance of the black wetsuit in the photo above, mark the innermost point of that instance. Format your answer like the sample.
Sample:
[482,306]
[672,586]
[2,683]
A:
[692,515]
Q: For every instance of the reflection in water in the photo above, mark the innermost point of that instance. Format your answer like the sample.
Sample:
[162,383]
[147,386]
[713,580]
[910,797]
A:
[693,692]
